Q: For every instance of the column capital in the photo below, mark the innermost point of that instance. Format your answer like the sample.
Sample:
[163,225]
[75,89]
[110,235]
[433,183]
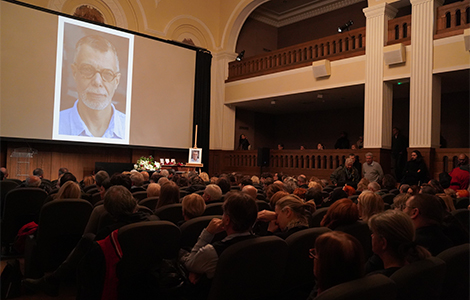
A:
[436,2]
[381,10]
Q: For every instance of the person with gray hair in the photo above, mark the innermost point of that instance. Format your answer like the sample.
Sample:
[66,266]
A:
[371,169]
[212,193]
[346,174]
[32,181]
[101,176]
[96,73]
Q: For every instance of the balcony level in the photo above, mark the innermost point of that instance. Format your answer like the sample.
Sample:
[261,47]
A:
[452,19]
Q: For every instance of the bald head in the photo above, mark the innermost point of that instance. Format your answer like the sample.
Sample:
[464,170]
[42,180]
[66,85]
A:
[250,190]
[33,181]
[463,159]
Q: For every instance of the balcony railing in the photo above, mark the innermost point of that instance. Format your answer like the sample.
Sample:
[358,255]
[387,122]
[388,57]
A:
[399,30]
[451,19]
[320,163]
[339,46]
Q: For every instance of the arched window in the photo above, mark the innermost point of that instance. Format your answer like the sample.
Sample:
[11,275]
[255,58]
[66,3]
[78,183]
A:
[457,17]
[405,30]
[448,20]
[397,32]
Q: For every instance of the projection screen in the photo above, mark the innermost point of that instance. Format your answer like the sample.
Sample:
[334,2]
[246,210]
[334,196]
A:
[68,80]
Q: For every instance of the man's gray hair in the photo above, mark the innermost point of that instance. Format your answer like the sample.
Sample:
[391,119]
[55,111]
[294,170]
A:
[213,191]
[98,43]
[369,154]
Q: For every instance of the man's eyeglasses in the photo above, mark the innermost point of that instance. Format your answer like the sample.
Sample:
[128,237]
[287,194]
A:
[89,71]
[312,253]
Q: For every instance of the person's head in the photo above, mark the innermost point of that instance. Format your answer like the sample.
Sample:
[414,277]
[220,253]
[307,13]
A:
[349,163]
[118,201]
[416,155]
[245,180]
[69,190]
[301,180]
[62,171]
[339,258]
[462,159]
[369,158]
[427,189]
[145,174]
[163,180]
[349,190]
[121,179]
[193,206]
[276,197]
[169,194]
[292,211]
[369,204]
[242,137]
[317,187]
[373,187]
[280,146]
[100,177]
[250,190]
[404,188]
[272,189]
[33,181]
[393,234]
[165,173]
[204,176]
[3,173]
[195,155]
[389,182]
[413,190]
[362,185]
[462,193]
[300,192]
[212,192]
[424,210]
[88,180]
[240,212]
[224,184]
[96,71]
[320,146]
[395,131]
[338,194]
[137,179]
[38,172]
[255,179]
[353,147]
[342,212]
[353,157]
[315,195]
[399,201]
[67,176]
[153,190]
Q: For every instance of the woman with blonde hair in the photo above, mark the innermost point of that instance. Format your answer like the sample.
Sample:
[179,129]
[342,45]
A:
[69,190]
[393,236]
[290,215]
[369,204]
[193,206]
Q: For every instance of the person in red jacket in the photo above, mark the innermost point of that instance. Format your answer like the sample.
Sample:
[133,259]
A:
[460,175]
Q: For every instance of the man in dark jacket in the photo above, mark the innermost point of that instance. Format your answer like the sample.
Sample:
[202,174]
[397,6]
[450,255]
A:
[346,174]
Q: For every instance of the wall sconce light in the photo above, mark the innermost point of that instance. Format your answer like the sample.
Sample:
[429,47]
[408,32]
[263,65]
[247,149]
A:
[240,56]
[345,27]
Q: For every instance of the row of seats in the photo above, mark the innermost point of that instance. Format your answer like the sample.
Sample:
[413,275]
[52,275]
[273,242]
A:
[271,268]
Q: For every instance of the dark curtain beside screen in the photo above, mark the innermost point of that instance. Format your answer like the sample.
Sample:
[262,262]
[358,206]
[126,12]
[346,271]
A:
[202,103]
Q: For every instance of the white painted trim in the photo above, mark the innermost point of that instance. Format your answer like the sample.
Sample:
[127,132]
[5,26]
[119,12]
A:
[144,17]
[167,27]
[450,69]
[395,77]
[449,40]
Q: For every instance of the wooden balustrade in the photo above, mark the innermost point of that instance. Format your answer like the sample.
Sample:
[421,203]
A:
[399,30]
[452,19]
[320,163]
[339,46]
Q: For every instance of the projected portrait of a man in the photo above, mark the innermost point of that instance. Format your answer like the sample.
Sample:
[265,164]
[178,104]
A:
[95,70]
[93,83]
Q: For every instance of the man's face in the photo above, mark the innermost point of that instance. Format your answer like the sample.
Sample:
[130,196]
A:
[414,156]
[408,209]
[463,160]
[195,155]
[96,76]
[353,158]
[369,160]
[394,131]
[349,166]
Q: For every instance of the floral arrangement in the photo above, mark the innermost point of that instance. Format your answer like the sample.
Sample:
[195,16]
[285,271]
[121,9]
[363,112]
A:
[146,164]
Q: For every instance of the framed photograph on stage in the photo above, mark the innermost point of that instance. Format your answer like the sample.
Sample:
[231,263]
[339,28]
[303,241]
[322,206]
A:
[195,155]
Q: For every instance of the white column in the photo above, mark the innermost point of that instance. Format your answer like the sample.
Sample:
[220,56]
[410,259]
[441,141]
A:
[378,96]
[425,88]
[222,130]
